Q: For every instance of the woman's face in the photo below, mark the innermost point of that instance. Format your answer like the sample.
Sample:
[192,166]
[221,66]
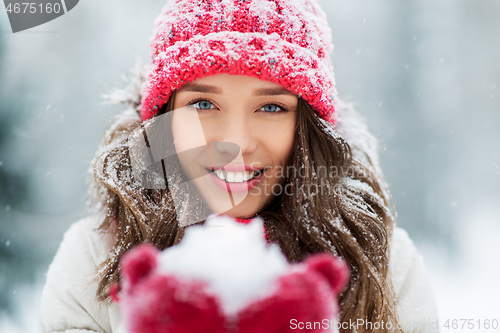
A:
[234,135]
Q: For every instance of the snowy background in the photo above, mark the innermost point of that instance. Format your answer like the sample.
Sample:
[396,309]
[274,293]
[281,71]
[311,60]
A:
[425,73]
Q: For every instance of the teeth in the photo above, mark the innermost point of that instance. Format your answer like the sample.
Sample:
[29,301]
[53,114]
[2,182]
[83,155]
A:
[238,177]
[235,177]
[220,174]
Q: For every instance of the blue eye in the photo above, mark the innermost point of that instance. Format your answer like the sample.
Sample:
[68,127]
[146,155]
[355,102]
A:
[271,108]
[203,105]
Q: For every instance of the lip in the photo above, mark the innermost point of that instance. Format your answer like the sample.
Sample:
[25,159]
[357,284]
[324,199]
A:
[236,187]
[236,168]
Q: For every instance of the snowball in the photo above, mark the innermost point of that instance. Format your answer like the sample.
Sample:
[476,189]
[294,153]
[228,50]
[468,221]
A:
[233,258]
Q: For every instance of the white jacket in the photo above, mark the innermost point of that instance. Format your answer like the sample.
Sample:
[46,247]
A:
[69,304]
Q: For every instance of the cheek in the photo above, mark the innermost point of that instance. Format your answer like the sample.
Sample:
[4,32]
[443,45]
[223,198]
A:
[179,143]
[287,149]
[281,146]
[189,141]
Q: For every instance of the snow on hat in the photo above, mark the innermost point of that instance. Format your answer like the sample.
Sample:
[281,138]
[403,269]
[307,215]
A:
[287,42]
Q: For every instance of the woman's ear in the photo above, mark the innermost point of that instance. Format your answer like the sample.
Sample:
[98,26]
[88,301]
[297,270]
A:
[333,269]
[139,262]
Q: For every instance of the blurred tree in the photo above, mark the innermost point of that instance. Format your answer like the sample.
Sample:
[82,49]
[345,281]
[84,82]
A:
[14,195]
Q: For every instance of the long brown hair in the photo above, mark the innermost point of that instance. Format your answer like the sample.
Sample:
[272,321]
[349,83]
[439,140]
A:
[337,202]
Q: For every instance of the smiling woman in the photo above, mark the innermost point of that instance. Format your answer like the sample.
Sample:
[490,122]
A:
[251,112]
[260,121]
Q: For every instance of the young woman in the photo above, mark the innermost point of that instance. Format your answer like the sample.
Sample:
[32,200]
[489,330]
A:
[244,92]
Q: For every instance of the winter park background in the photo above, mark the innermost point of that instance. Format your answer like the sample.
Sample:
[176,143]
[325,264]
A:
[425,73]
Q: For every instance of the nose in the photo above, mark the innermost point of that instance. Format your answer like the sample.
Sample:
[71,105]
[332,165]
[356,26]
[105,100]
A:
[237,131]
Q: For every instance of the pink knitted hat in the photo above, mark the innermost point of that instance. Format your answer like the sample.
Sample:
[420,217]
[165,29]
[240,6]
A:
[287,42]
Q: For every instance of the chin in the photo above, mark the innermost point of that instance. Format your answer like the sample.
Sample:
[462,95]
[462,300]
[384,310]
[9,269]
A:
[244,210]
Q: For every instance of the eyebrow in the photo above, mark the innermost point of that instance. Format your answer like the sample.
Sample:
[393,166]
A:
[196,87]
[272,92]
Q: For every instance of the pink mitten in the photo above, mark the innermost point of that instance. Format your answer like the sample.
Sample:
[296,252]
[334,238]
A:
[305,295]
[223,277]
[152,302]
